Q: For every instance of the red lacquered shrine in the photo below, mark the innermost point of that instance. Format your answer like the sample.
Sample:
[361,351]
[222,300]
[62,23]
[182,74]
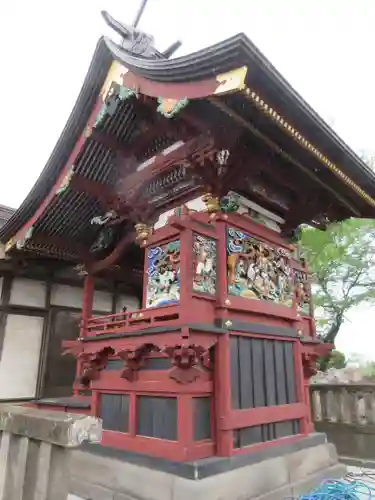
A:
[203,167]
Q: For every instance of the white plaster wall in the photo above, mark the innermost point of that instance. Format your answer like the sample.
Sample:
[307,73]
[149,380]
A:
[19,361]
[71,296]
[2,251]
[195,204]
[27,292]
[102,301]
[66,295]
[132,303]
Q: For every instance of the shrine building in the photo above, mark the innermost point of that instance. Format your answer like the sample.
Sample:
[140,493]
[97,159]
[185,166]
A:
[176,306]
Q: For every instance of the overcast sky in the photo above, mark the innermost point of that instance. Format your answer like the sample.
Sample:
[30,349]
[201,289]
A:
[325,48]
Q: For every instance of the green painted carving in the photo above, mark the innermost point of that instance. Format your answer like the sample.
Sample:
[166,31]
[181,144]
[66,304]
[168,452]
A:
[66,181]
[115,94]
[170,107]
[100,116]
[125,93]
[229,204]
[21,243]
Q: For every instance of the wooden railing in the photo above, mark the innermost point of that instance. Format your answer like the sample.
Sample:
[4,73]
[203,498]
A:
[128,321]
[346,413]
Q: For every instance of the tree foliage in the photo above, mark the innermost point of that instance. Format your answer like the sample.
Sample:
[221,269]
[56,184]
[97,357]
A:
[341,261]
[336,359]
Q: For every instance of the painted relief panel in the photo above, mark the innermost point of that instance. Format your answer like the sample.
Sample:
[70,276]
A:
[302,292]
[204,254]
[163,269]
[256,270]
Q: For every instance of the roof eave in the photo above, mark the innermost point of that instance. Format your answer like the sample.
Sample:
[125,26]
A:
[76,123]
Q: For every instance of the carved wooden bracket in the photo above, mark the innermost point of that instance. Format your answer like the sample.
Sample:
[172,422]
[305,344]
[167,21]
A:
[135,359]
[309,360]
[93,363]
[311,352]
[184,360]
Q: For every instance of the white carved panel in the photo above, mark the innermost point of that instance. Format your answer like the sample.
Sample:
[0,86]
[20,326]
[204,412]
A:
[27,292]
[19,363]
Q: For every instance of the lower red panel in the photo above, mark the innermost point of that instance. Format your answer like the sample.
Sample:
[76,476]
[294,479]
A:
[171,450]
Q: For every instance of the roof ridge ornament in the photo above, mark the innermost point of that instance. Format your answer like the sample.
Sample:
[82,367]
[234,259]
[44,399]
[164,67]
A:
[134,40]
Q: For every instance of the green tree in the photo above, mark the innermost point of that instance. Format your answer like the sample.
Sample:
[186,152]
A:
[337,360]
[341,261]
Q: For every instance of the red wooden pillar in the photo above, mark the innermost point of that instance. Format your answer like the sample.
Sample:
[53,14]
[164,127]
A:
[222,388]
[300,386]
[88,295]
[87,300]
[186,274]
[224,437]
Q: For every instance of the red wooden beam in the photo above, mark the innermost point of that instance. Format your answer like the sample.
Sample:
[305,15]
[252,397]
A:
[190,151]
[190,90]
[153,131]
[68,245]
[238,419]
[114,256]
[99,191]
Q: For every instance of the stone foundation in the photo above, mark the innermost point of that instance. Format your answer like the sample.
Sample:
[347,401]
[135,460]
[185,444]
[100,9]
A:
[273,474]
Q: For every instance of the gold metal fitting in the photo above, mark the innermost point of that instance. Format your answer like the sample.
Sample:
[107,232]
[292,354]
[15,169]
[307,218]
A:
[142,232]
[212,203]
[300,333]
[228,323]
[227,302]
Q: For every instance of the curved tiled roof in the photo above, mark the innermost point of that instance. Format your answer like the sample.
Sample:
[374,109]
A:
[203,65]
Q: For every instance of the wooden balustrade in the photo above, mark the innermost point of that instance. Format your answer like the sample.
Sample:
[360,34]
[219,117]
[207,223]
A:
[130,321]
[346,412]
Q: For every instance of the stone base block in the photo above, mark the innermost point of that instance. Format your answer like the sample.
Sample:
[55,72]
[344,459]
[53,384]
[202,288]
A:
[285,472]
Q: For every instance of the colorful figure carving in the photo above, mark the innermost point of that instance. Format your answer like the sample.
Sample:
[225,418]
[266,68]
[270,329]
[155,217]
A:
[204,280]
[256,270]
[302,292]
[163,268]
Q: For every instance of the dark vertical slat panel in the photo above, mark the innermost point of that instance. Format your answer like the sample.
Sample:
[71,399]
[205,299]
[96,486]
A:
[114,411]
[270,375]
[236,439]
[296,426]
[266,432]
[250,435]
[258,378]
[280,372]
[234,372]
[262,372]
[246,376]
[291,396]
[283,429]
[157,417]
[202,418]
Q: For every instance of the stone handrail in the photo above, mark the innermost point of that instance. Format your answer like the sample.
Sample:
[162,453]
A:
[346,413]
[346,403]
[35,451]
